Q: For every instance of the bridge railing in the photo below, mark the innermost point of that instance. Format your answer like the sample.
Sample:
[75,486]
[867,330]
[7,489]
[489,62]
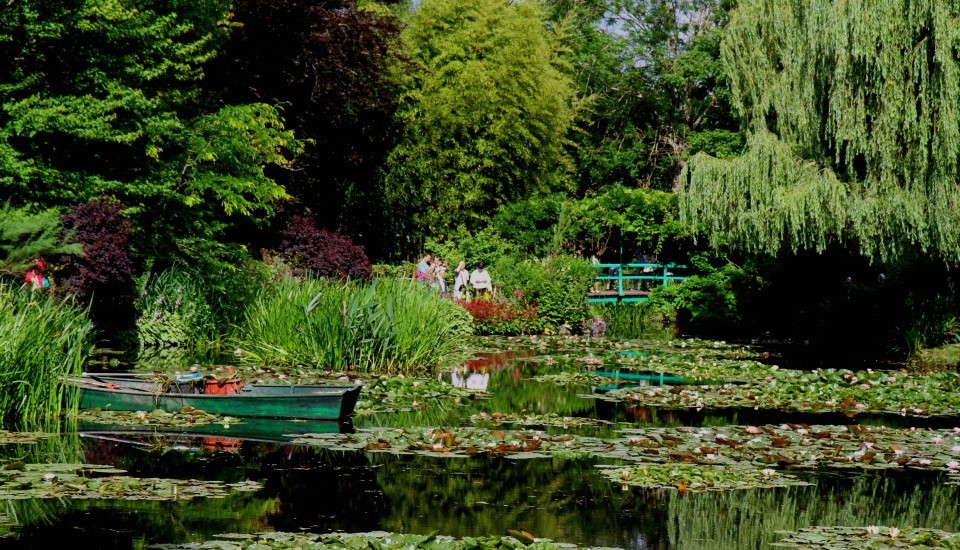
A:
[632,282]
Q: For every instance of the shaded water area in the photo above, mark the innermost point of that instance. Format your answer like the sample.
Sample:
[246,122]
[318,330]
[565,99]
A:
[305,488]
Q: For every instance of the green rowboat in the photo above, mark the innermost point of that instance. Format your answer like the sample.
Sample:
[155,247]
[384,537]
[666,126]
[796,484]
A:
[131,392]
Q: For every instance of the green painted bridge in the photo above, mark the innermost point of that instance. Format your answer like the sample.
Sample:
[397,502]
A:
[632,282]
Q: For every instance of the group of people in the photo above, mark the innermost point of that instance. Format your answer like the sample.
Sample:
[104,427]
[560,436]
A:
[434,271]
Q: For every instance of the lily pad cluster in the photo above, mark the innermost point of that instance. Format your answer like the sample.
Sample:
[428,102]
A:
[90,481]
[529,419]
[874,536]
[186,417]
[852,392]
[519,539]
[794,446]
[456,442]
[401,394]
[697,478]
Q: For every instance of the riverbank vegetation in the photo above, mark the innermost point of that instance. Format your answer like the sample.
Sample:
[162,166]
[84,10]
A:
[42,340]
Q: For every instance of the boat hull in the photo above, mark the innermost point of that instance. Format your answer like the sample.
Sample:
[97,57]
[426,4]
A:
[312,402]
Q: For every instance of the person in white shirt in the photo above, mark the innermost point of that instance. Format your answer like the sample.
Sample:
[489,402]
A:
[480,280]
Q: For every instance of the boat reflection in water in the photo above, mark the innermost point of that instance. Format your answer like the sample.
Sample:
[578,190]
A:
[215,436]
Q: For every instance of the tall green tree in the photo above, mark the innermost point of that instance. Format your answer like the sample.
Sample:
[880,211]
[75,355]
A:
[486,112]
[852,109]
[326,62]
[101,97]
[656,89]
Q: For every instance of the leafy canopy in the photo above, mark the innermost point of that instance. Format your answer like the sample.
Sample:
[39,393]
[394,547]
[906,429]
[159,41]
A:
[854,130]
[104,98]
[485,115]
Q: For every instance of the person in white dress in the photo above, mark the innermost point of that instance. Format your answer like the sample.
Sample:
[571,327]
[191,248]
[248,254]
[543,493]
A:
[460,281]
[440,272]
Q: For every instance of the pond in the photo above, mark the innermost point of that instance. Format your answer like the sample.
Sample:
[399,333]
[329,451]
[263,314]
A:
[533,447]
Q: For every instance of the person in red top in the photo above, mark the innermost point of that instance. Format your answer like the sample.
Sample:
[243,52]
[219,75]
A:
[35,276]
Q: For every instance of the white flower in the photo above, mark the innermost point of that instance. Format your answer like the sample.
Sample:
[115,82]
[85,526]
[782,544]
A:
[767,472]
[953,465]
[873,529]
[894,532]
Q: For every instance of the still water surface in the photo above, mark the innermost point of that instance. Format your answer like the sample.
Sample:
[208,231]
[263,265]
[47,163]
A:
[307,489]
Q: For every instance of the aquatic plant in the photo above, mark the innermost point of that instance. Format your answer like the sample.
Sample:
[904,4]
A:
[852,392]
[43,339]
[519,539]
[57,481]
[173,311]
[871,536]
[384,326]
[697,478]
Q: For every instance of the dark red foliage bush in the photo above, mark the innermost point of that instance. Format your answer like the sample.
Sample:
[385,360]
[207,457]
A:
[106,265]
[322,252]
[499,316]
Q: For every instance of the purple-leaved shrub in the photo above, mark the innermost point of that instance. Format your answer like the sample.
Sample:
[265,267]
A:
[321,252]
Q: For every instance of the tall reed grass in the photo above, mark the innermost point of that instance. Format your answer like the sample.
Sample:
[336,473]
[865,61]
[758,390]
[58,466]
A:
[388,325]
[43,339]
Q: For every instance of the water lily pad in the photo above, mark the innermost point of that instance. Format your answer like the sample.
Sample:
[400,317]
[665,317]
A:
[697,478]
[874,536]
[90,481]
[375,539]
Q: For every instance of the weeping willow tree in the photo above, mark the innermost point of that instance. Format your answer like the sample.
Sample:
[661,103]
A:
[852,110]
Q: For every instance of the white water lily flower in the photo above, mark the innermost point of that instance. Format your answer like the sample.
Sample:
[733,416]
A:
[767,472]
[873,529]
[894,532]
[953,465]
[49,477]
[955,449]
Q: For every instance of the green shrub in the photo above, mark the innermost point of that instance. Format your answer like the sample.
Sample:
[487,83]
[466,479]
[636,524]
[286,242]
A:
[705,305]
[557,286]
[43,339]
[388,325]
[173,311]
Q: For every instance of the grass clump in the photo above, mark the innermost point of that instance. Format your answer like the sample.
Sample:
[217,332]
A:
[43,339]
[385,326]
